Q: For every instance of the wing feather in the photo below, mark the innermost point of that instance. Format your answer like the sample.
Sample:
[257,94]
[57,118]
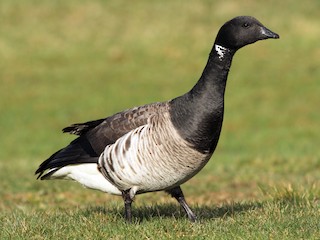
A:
[95,135]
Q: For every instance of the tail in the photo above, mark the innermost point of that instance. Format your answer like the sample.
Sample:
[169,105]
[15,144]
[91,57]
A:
[78,151]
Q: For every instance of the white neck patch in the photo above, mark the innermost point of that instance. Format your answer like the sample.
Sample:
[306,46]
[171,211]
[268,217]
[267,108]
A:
[220,50]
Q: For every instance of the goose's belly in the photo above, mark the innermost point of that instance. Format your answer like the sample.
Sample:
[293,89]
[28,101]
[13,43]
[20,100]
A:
[151,158]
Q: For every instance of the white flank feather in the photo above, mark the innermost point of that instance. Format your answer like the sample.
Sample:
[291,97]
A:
[150,158]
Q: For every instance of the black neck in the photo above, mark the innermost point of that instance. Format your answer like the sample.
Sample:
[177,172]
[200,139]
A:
[198,114]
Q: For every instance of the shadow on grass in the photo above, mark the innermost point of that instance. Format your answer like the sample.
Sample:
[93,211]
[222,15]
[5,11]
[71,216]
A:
[146,213]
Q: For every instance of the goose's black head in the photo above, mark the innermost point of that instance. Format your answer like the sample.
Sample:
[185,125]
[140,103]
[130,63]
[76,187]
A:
[241,31]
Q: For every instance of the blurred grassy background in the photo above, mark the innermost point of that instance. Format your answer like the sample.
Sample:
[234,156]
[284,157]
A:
[71,61]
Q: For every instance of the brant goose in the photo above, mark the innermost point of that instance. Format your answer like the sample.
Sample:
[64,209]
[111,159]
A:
[158,146]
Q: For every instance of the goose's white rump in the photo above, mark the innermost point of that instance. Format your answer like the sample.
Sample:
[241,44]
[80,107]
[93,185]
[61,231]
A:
[150,158]
[88,175]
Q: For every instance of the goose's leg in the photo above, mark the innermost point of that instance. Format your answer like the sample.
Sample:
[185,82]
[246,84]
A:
[127,205]
[178,194]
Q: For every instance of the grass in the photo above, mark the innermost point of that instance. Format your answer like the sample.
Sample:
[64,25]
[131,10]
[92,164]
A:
[261,221]
[65,62]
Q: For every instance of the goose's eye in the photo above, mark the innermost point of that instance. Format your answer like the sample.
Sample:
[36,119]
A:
[246,25]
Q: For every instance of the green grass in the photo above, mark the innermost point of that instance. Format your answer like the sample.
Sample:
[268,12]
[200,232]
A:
[72,61]
[269,220]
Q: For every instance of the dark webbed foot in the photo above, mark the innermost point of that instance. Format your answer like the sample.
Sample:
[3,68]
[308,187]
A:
[178,194]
